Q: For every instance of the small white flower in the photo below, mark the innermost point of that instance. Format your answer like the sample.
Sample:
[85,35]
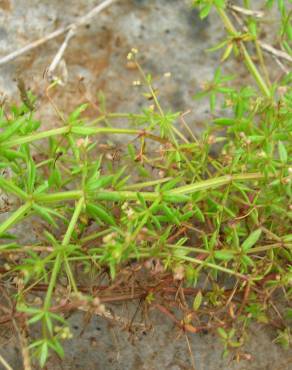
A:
[136,83]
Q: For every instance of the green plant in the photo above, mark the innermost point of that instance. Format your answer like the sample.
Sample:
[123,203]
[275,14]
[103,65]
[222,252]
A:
[205,216]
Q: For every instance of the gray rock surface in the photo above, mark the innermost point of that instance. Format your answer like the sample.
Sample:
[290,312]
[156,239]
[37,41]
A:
[168,34]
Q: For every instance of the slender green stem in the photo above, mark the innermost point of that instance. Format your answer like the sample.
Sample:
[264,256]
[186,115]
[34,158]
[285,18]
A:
[253,70]
[152,92]
[264,248]
[36,137]
[149,196]
[262,63]
[115,115]
[78,130]
[58,197]
[93,236]
[214,267]
[66,241]
[248,61]
[146,184]
[73,222]
[86,130]
[114,196]
[214,183]
[54,275]
[65,130]
[70,275]
[59,256]
[187,248]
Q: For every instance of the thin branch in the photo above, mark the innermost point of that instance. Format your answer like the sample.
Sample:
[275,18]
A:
[276,52]
[81,21]
[281,65]
[49,72]
[5,363]
[246,12]
[33,45]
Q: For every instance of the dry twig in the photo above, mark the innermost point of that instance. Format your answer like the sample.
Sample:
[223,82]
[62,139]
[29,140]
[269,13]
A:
[49,72]
[275,52]
[247,12]
[81,21]
[5,363]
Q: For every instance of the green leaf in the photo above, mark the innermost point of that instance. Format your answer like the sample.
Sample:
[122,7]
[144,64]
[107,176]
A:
[48,322]
[98,212]
[43,354]
[197,301]
[251,240]
[186,216]
[212,101]
[247,261]
[58,318]
[282,152]
[227,52]
[76,113]
[199,214]
[223,255]
[217,75]
[205,10]
[36,318]
[12,128]
[142,200]
[287,238]
[7,236]
[30,310]
[222,333]
[131,151]
[256,138]
[12,154]
[56,346]
[55,178]
[170,214]
[97,183]
[218,46]
[36,343]
[269,3]
[31,175]
[288,314]
[45,214]
[170,184]
[224,121]
[200,95]
[231,333]
[220,3]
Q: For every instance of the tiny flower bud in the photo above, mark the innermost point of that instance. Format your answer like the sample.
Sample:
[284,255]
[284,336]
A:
[136,83]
